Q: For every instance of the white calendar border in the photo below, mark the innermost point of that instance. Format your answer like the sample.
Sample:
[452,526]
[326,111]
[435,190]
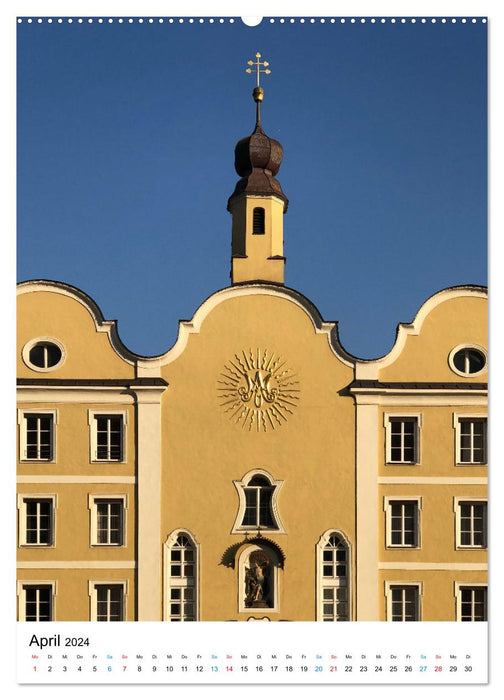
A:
[256,8]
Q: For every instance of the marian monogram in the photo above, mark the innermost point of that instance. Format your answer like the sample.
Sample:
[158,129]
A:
[258,390]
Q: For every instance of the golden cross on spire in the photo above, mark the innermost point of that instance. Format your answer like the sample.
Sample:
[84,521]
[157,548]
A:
[257,67]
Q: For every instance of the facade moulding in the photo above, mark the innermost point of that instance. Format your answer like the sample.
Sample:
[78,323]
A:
[421,398]
[102,326]
[146,365]
[432,566]
[368,369]
[91,564]
[65,479]
[434,480]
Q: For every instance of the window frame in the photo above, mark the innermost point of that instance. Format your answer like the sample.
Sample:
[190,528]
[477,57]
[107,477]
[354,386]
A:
[93,596]
[23,415]
[240,486]
[170,582]
[336,580]
[458,418]
[390,586]
[22,586]
[27,348]
[23,498]
[262,220]
[93,416]
[464,585]
[459,501]
[468,346]
[93,500]
[388,419]
[388,503]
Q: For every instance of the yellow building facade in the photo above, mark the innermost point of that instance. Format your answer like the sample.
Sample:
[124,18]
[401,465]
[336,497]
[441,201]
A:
[256,470]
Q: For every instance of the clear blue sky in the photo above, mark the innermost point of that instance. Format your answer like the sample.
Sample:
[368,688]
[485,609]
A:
[126,136]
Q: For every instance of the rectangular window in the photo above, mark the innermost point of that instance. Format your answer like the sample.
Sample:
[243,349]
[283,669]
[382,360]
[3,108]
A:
[109,602]
[471,603]
[107,520]
[402,439]
[38,603]
[471,524]
[403,604]
[109,528]
[107,438]
[471,440]
[403,522]
[37,436]
[36,524]
[258,507]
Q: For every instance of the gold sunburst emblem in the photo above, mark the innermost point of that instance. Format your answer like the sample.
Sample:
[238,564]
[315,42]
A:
[258,390]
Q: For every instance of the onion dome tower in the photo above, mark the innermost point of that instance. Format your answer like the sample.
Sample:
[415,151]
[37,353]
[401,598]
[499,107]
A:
[258,203]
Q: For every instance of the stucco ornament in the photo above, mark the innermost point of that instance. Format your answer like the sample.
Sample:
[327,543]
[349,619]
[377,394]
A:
[257,390]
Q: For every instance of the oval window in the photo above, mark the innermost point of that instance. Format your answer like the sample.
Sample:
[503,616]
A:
[43,355]
[468,360]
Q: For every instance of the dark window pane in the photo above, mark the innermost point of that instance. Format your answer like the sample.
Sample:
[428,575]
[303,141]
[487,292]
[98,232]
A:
[45,355]
[258,220]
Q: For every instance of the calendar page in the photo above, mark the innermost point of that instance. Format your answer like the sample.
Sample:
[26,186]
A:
[299,466]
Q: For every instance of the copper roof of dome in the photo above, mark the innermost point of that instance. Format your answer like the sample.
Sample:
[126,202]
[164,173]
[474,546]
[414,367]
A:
[258,157]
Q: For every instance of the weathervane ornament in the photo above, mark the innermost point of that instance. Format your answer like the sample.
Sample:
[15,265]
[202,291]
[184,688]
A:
[258,93]
[257,67]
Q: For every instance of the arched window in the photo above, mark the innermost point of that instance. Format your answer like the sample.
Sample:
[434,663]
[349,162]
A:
[258,220]
[181,577]
[258,509]
[333,578]
[258,571]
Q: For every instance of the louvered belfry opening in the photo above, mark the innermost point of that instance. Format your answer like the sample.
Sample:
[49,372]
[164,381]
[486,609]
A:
[258,220]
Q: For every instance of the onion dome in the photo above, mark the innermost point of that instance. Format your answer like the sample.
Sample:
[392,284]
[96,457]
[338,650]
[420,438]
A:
[257,160]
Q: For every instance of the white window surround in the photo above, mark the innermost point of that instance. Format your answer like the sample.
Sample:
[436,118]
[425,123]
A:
[93,595]
[388,418]
[243,563]
[240,486]
[387,507]
[22,415]
[25,353]
[389,585]
[21,594]
[93,414]
[22,500]
[459,585]
[468,346]
[457,418]
[457,502]
[93,499]
[169,581]
[321,580]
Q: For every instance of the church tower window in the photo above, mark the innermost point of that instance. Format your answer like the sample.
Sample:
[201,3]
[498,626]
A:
[258,221]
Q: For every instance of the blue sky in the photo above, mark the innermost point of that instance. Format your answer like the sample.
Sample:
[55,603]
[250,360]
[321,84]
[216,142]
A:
[126,137]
